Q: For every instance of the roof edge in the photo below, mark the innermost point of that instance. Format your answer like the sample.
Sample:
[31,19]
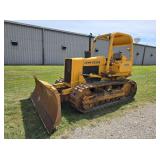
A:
[45,28]
[62,31]
[145,45]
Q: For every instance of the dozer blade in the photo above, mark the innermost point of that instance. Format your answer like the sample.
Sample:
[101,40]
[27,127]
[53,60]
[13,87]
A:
[46,100]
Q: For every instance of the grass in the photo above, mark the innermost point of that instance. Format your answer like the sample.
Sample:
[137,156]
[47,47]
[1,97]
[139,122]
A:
[22,121]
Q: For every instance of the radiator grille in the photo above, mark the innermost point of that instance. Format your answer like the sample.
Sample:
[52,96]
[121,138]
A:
[68,70]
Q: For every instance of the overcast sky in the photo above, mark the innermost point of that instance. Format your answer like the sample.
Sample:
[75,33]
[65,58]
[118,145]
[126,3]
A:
[146,29]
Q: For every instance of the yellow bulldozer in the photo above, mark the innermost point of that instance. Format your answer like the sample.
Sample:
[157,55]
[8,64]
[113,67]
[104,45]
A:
[89,82]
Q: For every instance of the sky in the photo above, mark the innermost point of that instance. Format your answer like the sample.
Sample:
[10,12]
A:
[143,29]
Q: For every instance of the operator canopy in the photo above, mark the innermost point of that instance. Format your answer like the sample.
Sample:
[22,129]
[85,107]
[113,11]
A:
[119,39]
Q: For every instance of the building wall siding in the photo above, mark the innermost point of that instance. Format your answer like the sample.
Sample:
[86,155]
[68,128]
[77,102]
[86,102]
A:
[138,54]
[150,56]
[102,48]
[53,42]
[29,48]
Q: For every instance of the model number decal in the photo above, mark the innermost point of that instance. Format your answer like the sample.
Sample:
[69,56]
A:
[92,62]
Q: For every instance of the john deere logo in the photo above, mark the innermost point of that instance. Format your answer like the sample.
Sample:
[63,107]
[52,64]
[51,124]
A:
[92,62]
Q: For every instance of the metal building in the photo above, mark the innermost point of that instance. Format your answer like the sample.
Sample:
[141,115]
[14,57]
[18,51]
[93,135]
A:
[149,55]
[22,44]
[29,44]
[61,45]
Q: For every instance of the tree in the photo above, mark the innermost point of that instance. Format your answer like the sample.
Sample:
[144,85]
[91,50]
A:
[137,40]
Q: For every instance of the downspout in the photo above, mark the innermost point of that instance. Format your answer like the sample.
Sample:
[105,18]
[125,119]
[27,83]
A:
[43,56]
[143,55]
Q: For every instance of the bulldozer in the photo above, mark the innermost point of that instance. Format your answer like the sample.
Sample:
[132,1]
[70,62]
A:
[89,82]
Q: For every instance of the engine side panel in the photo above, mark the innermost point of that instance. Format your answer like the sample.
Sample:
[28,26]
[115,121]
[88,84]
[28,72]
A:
[76,67]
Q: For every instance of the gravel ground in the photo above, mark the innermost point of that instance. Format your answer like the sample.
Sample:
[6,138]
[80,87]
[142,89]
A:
[139,123]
